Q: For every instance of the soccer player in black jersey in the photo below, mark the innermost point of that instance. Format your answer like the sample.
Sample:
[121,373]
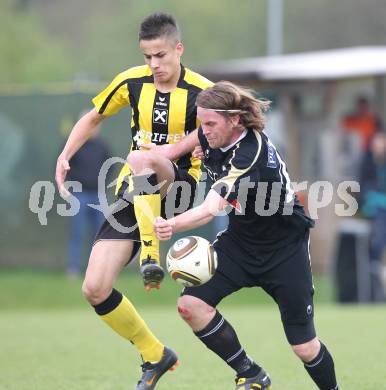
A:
[162,96]
[266,243]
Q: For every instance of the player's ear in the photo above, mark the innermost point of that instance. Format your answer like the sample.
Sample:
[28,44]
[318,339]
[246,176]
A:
[180,48]
[235,120]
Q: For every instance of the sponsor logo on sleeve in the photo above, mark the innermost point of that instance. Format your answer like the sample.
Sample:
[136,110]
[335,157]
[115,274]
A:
[272,159]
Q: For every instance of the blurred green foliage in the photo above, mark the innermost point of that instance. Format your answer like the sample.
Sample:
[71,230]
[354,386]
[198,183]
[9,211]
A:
[28,53]
[51,40]
[93,40]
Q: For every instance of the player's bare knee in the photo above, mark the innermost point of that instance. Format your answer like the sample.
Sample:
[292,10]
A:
[191,308]
[94,293]
[88,291]
[139,160]
[134,157]
[184,309]
[307,351]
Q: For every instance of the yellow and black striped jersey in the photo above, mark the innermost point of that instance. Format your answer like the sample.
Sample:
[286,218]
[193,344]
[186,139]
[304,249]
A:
[156,117]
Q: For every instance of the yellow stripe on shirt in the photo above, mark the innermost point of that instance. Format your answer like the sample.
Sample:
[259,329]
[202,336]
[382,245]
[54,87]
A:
[177,115]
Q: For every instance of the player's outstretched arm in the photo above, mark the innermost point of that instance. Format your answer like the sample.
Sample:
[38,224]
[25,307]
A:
[191,219]
[81,132]
[176,150]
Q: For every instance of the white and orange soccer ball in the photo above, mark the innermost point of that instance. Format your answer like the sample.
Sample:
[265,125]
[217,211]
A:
[191,261]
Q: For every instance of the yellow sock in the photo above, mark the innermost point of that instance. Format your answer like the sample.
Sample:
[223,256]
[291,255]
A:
[147,208]
[126,321]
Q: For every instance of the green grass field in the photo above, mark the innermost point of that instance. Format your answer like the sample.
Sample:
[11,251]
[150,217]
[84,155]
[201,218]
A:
[50,339]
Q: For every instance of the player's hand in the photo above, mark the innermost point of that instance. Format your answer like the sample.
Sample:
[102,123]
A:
[161,150]
[62,167]
[163,229]
[147,147]
[198,152]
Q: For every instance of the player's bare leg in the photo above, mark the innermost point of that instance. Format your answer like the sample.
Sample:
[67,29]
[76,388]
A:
[107,259]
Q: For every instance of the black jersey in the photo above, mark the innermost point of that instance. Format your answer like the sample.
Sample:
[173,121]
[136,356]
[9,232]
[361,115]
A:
[253,178]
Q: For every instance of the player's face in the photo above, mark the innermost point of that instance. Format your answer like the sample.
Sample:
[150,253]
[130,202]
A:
[218,130]
[163,57]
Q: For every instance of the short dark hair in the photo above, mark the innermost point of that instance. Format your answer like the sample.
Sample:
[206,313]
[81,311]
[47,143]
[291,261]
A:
[159,25]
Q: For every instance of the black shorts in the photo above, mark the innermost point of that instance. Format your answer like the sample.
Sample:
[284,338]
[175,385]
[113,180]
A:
[122,224]
[289,283]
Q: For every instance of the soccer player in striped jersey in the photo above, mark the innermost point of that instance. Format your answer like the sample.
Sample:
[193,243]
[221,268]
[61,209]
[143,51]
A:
[162,96]
[265,245]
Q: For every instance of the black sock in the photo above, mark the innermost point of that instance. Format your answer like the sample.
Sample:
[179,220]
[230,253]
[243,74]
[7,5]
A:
[322,371]
[221,338]
[108,305]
